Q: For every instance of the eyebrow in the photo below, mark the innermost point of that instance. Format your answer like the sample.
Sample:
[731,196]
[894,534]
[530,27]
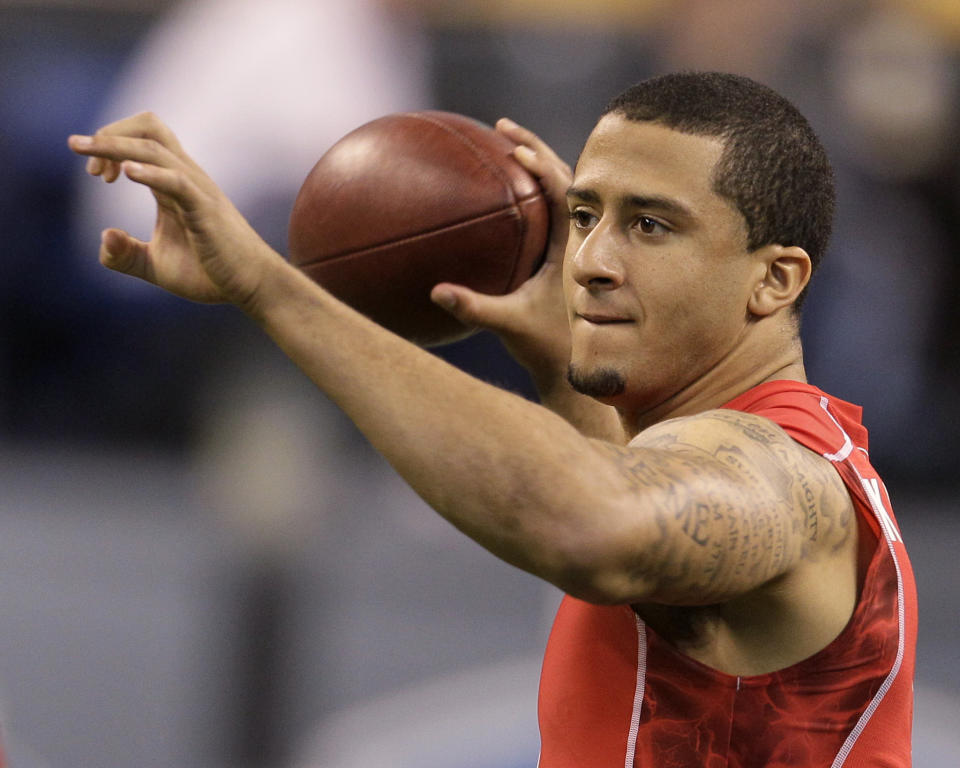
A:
[652,202]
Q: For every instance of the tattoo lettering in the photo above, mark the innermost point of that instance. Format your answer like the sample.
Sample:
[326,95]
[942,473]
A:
[733,501]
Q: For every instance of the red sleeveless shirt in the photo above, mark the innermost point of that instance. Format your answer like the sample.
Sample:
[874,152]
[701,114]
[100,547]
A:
[613,693]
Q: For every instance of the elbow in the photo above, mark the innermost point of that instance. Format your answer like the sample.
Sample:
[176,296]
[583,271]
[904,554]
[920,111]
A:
[601,581]
[598,595]
[606,561]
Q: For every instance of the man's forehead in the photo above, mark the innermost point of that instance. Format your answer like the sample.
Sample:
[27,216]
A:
[650,156]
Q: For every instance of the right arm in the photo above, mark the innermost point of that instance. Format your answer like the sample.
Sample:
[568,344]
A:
[532,321]
[660,520]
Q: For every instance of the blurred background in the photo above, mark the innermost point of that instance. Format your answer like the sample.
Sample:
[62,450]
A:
[202,563]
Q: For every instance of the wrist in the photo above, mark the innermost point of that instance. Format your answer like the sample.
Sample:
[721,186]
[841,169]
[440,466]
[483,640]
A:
[280,287]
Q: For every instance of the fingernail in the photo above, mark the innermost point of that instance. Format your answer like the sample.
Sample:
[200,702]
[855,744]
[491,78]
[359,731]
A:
[131,167]
[82,142]
[507,122]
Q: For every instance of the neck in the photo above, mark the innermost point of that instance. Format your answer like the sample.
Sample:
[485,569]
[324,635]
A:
[738,372]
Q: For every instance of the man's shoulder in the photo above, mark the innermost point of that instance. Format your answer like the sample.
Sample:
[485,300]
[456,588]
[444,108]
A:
[759,452]
[714,429]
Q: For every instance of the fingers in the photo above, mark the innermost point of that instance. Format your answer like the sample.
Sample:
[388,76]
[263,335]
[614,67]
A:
[106,169]
[144,125]
[106,154]
[123,253]
[143,160]
[526,137]
[554,174]
[170,182]
[535,154]
[474,309]
[119,148]
[142,137]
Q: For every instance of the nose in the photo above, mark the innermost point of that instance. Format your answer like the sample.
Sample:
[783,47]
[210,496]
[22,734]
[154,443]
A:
[594,263]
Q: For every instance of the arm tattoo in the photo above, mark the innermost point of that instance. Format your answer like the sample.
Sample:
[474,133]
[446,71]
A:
[733,505]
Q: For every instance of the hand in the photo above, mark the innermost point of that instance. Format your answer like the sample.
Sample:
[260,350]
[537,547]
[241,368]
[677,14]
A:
[531,321]
[202,248]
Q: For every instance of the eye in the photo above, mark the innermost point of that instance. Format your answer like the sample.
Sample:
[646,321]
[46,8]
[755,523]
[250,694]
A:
[582,219]
[651,226]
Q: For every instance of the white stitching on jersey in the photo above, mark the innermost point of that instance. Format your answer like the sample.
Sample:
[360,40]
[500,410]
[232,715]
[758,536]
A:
[847,446]
[895,669]
[638,692]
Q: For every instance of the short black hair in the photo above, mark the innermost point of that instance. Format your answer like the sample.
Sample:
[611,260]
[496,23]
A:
[773,167]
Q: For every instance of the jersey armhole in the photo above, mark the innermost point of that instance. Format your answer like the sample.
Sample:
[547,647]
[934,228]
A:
[869,533]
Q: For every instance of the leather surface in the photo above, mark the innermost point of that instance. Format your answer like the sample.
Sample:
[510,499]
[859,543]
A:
[410,200]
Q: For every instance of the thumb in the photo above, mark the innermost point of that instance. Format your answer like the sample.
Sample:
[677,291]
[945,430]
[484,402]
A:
[123,253]
[472,308]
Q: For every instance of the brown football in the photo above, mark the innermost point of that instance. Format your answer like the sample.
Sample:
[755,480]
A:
[411,200]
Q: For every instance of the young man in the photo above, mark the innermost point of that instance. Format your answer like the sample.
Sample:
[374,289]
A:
[738,592]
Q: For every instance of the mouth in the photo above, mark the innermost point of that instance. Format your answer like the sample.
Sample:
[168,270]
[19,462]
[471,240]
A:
[601,319]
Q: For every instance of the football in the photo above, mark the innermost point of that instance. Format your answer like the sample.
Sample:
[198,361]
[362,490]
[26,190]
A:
[411,200]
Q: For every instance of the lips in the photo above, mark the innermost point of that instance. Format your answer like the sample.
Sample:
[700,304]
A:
[597,318]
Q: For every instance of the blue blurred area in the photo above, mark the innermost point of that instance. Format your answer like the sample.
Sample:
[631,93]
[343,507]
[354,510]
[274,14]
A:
[203,564]
[70,366]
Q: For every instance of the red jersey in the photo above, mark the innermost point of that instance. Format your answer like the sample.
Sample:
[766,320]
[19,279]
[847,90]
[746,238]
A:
[613,693]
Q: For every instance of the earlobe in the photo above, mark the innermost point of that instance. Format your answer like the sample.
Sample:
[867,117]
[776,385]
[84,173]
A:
[787,272]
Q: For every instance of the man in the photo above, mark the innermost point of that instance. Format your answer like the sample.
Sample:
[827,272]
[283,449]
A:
[738,592]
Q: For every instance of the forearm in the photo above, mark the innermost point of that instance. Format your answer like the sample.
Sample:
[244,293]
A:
[505,471]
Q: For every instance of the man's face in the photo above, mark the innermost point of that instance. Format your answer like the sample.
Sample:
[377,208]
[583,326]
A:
[656,271]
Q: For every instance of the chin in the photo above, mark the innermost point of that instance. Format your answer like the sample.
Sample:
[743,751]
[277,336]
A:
[602,384]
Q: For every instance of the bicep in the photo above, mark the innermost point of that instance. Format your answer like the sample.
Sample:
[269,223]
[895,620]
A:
[719,506]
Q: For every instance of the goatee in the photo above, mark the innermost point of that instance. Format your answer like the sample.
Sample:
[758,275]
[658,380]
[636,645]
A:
[598,383]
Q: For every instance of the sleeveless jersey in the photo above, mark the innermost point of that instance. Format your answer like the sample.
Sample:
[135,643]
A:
[613,693]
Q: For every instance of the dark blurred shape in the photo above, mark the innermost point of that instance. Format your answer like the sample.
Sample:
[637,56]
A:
[60,341]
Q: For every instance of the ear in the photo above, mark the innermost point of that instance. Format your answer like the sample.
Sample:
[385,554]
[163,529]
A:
[785,271]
